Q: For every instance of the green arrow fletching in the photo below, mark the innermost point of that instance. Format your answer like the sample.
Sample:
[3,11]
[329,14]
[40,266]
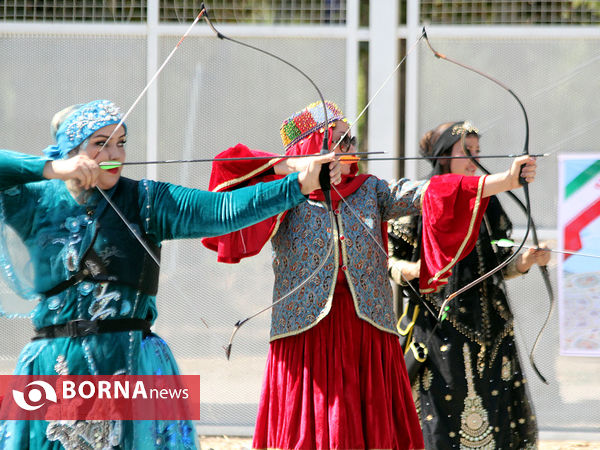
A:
[504,243]
[107,165]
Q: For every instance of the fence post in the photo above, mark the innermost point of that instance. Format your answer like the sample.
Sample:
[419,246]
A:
[411,100]
[383,58]
[152,94]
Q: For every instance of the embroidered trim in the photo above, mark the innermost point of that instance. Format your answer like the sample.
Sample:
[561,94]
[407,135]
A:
[402,230]
[475,431]
[249,175]
[425,186]
[277,224]
[327,308]
[353,290]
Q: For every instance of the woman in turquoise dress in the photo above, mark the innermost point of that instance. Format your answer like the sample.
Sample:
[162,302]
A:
[94,281]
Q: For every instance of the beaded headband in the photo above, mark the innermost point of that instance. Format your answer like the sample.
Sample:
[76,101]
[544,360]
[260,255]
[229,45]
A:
[307,121]
[81,124]
[451,135]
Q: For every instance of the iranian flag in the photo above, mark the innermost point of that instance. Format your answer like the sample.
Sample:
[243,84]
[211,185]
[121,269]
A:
[579,275]
[582,195]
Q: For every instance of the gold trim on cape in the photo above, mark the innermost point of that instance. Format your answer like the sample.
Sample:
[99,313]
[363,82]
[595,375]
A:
[262,168]
[455,259]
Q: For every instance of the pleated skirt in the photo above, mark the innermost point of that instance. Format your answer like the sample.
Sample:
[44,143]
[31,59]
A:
[339,385]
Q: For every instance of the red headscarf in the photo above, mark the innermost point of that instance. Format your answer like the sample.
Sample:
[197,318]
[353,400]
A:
[312,145]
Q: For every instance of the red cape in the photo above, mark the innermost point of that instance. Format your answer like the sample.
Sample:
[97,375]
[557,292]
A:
[452,211]
[228,175]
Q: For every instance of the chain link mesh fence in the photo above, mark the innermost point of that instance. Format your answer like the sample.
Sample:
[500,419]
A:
[214,94]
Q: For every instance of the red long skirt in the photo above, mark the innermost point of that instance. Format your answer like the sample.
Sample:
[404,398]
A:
[339,385]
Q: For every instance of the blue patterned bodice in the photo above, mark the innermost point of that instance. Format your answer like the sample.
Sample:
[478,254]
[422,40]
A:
[301,243]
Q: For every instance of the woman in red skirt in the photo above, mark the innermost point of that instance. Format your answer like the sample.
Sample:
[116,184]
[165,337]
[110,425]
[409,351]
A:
[335,375]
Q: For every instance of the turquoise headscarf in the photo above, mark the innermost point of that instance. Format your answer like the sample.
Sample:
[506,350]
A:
[81,124]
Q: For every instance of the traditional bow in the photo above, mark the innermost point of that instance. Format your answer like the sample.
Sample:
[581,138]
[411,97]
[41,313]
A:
[323,176]
[525,207]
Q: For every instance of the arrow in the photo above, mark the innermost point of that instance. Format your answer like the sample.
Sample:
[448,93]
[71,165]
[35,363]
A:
[507,243]
[345,158]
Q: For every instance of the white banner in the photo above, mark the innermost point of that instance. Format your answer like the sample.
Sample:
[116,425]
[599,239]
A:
[579,274]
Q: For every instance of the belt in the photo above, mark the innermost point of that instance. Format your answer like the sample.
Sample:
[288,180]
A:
[81,327]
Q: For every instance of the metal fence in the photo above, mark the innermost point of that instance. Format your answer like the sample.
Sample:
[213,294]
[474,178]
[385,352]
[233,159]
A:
[254,11]
[511,12]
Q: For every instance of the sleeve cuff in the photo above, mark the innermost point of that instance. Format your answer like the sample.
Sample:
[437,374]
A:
[296,187]
[511,271]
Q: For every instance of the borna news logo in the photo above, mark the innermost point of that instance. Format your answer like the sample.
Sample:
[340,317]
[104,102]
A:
[35,397]
[88,397]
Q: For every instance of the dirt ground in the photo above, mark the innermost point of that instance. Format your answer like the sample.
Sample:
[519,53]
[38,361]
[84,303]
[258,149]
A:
[238,443]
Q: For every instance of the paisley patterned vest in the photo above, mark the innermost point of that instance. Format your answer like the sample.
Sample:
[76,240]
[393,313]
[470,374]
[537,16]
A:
[302,241]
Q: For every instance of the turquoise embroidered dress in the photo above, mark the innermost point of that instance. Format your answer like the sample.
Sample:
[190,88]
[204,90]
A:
[57,231]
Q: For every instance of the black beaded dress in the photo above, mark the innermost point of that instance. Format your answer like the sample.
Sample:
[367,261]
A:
[471,392]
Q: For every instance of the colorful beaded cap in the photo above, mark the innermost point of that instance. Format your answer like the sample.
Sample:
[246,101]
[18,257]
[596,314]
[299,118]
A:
[307,121]
[81,124]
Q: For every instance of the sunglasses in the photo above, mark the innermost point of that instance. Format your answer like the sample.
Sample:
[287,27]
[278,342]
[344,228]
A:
[347,141]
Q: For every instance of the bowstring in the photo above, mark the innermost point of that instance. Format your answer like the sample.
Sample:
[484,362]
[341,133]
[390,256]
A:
[120,124]
[388,78]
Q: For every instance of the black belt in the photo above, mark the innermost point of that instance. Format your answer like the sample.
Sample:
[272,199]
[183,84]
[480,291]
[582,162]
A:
[81,327]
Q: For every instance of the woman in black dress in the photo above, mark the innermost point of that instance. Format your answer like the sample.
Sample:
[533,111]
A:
[470,392]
